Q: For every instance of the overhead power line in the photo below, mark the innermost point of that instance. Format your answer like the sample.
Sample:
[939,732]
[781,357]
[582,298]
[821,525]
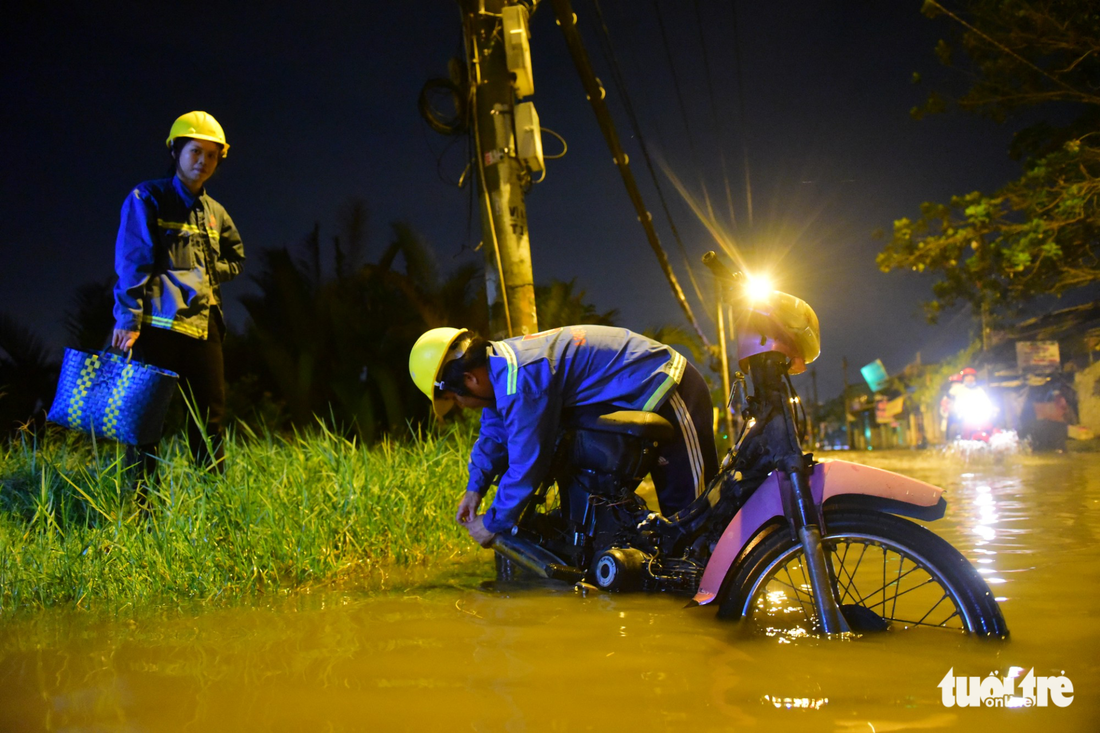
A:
[683,107]
[567,20]
[620,83]
[742,115]
[718,126]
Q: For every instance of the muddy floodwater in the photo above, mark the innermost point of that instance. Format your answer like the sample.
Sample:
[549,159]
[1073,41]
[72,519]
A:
[442,649]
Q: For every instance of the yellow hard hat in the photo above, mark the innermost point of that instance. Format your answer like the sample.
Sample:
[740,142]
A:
[430,352]
[201,126]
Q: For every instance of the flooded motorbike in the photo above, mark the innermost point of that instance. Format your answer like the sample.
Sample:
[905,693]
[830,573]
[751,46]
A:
[776,537]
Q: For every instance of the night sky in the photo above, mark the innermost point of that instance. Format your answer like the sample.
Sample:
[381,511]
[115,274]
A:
[318,102]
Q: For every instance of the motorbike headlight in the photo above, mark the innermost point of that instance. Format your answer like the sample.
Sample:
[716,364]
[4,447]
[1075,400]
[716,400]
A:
[974,406]
[758,287]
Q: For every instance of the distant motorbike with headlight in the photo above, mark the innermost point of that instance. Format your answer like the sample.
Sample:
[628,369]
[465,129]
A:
[777,537]
[974,413]
[972,420]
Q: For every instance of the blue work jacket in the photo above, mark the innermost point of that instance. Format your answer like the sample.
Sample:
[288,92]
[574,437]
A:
[534,378]
[174,249]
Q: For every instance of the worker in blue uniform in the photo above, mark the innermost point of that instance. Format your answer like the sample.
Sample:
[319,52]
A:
[176,247]
[522,386]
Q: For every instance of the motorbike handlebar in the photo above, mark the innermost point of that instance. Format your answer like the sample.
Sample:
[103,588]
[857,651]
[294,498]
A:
[718,268]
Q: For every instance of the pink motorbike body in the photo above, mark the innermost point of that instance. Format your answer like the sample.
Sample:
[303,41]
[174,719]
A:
[829,479]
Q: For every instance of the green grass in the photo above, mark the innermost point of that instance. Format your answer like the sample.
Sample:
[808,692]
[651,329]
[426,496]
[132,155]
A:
[289,512]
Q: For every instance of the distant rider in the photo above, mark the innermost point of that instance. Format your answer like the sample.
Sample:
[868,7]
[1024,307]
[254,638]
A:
[972,411]
[969,377]
[523,385]
[950,422]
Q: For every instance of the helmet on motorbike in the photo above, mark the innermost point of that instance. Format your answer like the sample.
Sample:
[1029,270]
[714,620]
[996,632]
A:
[969,372]
[779,322]
[201,126]
[955,378]
[431,351]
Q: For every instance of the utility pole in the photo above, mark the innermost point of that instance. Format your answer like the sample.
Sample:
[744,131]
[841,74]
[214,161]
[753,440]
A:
[847,421]
[813,411]
[723,353]
[509,280]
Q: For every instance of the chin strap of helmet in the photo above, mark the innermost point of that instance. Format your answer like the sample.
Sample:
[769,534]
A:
[455,389]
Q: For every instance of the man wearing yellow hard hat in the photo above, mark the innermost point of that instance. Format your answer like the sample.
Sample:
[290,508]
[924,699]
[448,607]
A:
[175,248]
[522,385]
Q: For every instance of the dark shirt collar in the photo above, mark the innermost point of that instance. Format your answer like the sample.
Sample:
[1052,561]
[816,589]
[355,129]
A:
[185,193]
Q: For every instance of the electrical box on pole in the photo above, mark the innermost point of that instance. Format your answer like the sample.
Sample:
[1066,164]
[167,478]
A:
[499,56]
[529,137]
[517,48]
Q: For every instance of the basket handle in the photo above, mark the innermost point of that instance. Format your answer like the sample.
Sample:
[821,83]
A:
[113,350]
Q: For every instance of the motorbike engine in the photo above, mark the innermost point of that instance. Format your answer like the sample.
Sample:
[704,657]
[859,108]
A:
[620,569]
[625,569]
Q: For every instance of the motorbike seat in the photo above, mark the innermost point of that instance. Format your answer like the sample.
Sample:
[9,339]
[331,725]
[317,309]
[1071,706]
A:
[647,425]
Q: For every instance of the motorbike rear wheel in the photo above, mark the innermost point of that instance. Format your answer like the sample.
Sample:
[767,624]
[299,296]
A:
[890,573]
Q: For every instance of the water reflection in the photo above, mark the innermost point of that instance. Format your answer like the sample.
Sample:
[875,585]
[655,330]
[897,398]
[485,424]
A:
[796,703]
[434,649]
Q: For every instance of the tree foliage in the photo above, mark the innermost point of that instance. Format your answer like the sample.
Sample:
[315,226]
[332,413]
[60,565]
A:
[1037,234]
[333,342]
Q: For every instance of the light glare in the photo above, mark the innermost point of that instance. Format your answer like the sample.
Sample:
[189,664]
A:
[758,287]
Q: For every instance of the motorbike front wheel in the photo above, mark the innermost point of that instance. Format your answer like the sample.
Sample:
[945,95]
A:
[890,574]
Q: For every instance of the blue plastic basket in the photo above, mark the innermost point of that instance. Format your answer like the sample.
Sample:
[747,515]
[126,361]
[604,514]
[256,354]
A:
[110,396]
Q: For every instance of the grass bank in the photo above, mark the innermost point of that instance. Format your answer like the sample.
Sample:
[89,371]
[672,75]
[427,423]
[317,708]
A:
[290,511]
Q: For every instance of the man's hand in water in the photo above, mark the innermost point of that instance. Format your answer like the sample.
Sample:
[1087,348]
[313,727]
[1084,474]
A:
[477,530]
[467,508]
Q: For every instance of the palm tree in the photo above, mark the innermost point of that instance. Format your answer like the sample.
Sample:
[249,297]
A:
[337,346]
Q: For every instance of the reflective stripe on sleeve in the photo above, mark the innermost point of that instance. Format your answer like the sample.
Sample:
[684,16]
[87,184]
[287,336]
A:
[513,366]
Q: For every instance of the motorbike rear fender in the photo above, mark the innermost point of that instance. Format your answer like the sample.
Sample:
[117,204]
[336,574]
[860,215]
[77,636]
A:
[874,489]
